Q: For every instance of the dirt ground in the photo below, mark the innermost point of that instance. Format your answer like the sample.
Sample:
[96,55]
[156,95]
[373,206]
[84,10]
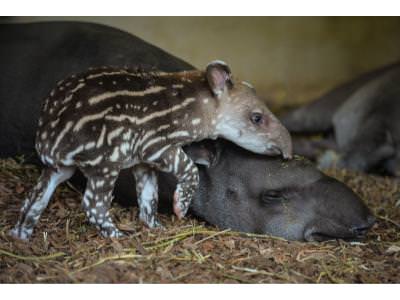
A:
[64,248]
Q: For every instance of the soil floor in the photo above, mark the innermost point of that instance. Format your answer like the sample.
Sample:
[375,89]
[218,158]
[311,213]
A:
[65,248]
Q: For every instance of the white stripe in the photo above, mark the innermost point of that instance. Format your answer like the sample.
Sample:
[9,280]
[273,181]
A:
[153,115]
[150,133]
[61,111]
[108,95]
[158,153]
[90,145]
[176,162]
[89,118]
[152,142]
[69,157]
[113,134]
[178,134]
[122,72]
[61,135]
[94,161]
[72,92]
[101,137]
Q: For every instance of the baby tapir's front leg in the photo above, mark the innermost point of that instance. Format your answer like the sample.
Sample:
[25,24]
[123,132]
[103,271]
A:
[147,194]
[175,161]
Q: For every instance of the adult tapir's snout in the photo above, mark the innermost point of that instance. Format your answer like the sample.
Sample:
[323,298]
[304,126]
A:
[338,213]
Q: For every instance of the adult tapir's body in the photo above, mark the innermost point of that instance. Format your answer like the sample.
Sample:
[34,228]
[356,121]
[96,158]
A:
[364,116]
[236,191]
[34,57]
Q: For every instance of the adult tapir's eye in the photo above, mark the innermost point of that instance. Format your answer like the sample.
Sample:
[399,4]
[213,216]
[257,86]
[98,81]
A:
[256,118]
[269,196]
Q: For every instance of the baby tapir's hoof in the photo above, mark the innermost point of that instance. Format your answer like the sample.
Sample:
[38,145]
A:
[20,233]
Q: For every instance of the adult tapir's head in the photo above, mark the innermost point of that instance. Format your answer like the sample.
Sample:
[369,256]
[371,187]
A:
[242,117]
[291,199]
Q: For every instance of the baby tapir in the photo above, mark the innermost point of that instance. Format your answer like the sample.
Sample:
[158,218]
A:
[107,119]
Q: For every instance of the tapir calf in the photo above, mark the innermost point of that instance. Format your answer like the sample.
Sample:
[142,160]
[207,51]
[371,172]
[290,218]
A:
[238,189]
[360,120]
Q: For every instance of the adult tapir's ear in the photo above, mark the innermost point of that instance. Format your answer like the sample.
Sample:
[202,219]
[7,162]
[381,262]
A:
[219,76]
[203,153]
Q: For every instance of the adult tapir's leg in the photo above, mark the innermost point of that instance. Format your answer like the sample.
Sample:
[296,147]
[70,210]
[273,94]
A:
[368,149]
[38,199]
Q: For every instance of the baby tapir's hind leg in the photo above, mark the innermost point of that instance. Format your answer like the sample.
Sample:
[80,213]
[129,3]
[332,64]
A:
[97,201]
[38,199]
[147,195]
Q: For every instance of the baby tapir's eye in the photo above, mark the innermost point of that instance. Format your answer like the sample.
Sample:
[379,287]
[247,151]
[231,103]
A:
[256,118]
[269,196]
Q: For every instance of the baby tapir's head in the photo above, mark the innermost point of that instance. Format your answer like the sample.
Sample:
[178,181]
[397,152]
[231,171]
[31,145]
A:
[242,117]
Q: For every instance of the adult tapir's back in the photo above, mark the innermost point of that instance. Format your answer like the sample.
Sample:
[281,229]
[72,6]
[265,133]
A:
[33,57]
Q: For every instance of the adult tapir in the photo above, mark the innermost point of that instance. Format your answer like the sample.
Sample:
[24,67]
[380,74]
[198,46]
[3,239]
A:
[364,117]
[238,189]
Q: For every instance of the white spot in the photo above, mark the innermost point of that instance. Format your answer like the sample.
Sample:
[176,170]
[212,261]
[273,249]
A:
[176,122]
[114,82]
[99,183]
[78,104]
[155,103]
[205,100]
[44,135]
[177,86]
[196,121]
[54,123]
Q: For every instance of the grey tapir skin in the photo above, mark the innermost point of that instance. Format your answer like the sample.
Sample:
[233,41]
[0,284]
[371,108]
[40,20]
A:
[238,189]
[360,119]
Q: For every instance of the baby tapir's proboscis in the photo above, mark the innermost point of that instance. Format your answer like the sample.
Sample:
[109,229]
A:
[107,119]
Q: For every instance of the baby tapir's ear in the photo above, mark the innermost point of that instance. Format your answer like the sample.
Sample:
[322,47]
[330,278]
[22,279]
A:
[203,153]
[219,77]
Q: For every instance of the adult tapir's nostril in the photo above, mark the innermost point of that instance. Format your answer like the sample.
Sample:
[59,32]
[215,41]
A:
[362,229]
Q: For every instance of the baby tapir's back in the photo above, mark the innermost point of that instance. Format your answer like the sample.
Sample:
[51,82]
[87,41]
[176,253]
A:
[107,114]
